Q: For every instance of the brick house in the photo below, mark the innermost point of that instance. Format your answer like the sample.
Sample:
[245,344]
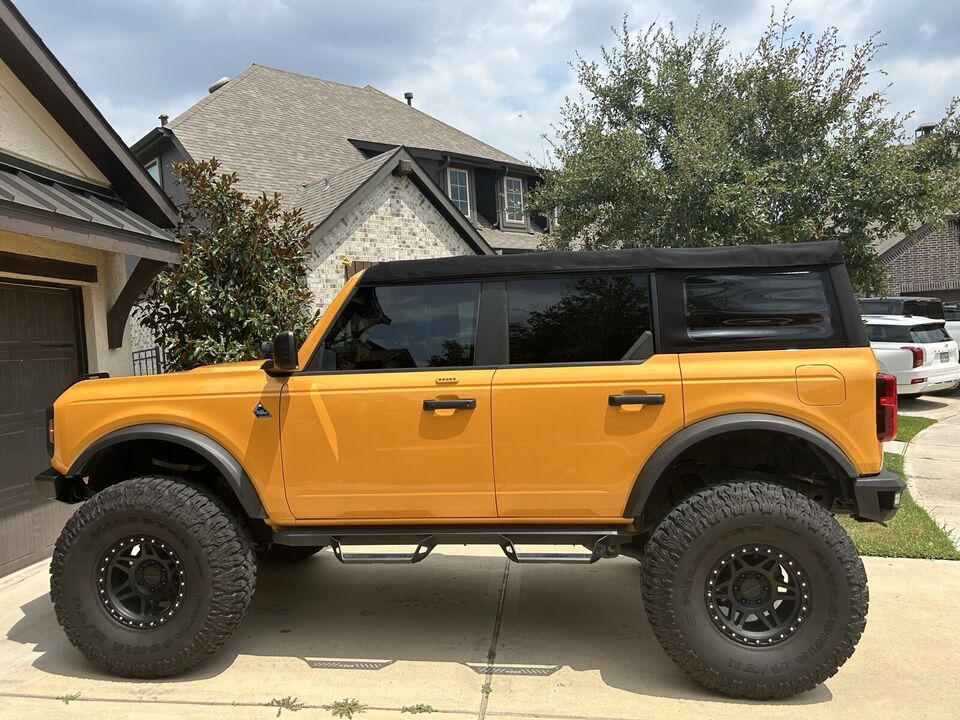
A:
[379,179]
[925,261]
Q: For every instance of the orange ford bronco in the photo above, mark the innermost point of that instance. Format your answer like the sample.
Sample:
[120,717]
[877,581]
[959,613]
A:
[706,411]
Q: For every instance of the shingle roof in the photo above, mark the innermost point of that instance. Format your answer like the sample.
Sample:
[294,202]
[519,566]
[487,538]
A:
[500,240]
[322,197]
[280,129]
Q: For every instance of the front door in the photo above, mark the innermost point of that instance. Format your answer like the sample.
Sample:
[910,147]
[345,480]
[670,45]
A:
[584,400]
[391,421]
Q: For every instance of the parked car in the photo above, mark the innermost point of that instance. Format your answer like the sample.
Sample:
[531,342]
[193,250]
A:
[917,351]
[951,314]
[907,306]
[707,411]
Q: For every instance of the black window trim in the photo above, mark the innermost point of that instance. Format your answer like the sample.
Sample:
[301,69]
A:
[492,334]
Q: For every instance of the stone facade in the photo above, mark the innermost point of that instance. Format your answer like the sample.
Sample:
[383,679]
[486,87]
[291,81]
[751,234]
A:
[926,263]
[394,222]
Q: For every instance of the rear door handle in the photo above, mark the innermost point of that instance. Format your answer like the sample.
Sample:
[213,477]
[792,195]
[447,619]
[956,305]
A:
[645,399]
[464,404]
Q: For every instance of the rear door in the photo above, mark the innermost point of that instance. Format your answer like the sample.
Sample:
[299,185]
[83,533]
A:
[582,400]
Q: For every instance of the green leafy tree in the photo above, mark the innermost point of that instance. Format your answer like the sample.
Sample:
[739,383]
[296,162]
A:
[675,142]
[242,278]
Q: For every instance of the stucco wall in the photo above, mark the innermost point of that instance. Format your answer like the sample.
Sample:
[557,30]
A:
[28,131]
[928,264]
[97,297]
[394,222]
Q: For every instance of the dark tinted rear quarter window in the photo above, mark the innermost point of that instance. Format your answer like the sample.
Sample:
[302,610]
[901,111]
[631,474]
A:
[577,319]
[787,306]
[928,333]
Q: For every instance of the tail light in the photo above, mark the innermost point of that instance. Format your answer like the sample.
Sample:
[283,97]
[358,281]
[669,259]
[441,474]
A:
[918,357]
[886,407]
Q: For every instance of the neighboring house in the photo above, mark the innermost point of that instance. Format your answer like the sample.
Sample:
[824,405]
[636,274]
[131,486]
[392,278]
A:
[925,261]
[379,179]
[74,206]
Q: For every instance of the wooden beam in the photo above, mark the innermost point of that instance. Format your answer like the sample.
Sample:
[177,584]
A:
[143,274]
[47,267]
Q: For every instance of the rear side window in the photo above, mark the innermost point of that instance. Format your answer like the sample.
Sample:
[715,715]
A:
[579,319]
[951,313]
[784,306]
[404,326]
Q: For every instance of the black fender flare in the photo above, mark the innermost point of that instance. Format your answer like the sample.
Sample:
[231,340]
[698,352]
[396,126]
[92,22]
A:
[722,424]
[203,445]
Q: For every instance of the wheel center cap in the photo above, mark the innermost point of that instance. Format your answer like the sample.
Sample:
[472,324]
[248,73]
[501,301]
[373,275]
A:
[152,576]
[751,589]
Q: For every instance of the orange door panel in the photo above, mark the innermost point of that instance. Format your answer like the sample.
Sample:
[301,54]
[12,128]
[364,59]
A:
[563,449]
[363,446]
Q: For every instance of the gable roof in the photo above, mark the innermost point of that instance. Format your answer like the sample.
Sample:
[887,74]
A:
[47,80]
[280,129]
[326,202]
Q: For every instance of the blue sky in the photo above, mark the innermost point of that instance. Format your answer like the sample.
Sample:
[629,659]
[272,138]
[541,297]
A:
[496,69]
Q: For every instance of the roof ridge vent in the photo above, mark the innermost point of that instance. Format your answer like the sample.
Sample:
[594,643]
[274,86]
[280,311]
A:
[218,84]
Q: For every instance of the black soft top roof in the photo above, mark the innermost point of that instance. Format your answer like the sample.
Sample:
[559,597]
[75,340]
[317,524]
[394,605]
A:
[791,255]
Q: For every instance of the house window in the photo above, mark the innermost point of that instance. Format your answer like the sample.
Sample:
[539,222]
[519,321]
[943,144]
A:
[153,169]
[458,188]
[513,199]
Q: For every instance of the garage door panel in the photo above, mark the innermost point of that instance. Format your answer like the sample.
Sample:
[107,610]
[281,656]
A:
[40,355]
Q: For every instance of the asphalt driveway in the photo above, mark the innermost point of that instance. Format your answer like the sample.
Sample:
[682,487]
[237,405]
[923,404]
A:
[547,641]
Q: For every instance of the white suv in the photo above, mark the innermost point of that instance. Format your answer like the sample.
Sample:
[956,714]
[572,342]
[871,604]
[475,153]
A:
[917,350]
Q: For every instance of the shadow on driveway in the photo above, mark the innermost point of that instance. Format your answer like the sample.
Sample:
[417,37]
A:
[444,610]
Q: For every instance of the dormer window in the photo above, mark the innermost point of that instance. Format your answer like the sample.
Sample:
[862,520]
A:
[513,199]
[458,188]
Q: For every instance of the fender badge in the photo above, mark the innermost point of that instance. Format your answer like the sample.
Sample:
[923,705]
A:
[260,411]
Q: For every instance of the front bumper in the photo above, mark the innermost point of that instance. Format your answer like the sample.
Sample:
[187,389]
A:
[51,484]
[877,497]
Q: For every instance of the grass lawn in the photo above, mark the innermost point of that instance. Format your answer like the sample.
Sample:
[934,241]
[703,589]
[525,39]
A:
[911,534]
[908,426]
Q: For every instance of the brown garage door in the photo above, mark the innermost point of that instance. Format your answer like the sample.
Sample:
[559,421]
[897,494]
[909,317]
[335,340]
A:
[41,353]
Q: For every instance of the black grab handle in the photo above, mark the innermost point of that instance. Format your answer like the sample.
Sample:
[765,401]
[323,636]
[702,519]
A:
[465,404]
[646,399]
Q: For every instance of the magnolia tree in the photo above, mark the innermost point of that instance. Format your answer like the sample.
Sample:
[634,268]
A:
[675,142]
[242,278]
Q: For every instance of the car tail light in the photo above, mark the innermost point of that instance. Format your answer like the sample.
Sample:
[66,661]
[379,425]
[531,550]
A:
[886,407]
[918,357]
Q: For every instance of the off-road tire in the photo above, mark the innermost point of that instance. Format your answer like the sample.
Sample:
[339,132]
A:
[212,546]
[282,554]
[736,517]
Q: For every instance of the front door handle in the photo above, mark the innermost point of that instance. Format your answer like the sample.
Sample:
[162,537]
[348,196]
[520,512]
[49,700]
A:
[464,404]
[645,399]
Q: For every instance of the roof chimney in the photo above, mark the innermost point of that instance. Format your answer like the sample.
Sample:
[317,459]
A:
[408,96]
[218,84]
[163,120]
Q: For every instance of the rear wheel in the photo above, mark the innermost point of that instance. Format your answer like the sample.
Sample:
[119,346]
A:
[755,590]
[151,576]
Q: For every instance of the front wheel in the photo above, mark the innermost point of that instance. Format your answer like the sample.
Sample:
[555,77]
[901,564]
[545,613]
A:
[151,576]
[755,590]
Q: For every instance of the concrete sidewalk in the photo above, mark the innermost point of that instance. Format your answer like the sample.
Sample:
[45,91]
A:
[557,642]
[932,460]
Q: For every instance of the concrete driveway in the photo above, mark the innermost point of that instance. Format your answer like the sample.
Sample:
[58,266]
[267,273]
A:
[552,642]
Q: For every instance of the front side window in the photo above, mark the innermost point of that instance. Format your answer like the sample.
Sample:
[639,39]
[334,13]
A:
[458,188]
[513,199]
[759,306]
[404,326]
[578,319]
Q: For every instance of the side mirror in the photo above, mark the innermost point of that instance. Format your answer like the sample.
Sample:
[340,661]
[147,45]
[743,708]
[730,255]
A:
[283,350]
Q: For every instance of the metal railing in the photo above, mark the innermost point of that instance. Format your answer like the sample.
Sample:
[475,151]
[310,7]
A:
[148,362]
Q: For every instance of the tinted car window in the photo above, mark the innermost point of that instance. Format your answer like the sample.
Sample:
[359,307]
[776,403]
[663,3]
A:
[760,306]
[879,307]
[951,313]
[928,334]
[577,319]
[404,326]
[923,308]
[888,333]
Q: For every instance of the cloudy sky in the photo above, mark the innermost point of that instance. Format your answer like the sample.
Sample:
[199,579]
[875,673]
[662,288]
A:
[497,69]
